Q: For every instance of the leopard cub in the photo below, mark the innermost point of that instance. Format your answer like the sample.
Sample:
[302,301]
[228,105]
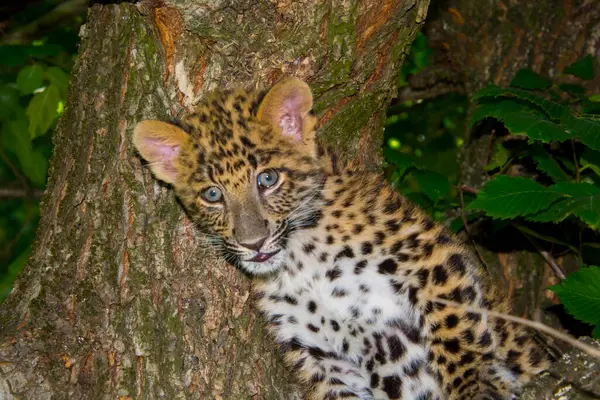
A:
[345,270]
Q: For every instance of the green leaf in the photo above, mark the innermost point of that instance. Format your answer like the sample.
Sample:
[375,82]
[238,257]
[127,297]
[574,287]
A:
[457,224]
[548,165]
[59,78]
[596,332]
[590,159]
[582,68]
[556,213]
[585,129]
[579,199]
[30,79]
[534,127]
[45,51]
[420,199]
[553,110]
[555,95]
[583,200]
[510,197]
[497,107]
[38,168]
[591,107]
[580,294]
[521,119]
[12,56]
[42,110]
[499,158]
[15,138]
[527,79]
[567,163]
[41,161]
[434,185]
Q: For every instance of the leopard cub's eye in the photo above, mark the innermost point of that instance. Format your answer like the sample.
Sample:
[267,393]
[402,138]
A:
[267,179]
[213,194]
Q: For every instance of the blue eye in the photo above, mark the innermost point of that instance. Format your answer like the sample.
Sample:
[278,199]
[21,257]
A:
[267,179]
[212,194]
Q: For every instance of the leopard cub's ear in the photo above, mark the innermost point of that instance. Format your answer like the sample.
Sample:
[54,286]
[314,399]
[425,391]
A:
[159,143]
[287,108]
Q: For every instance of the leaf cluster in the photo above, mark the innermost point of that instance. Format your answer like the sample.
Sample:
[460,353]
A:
[560,130]
[543,164]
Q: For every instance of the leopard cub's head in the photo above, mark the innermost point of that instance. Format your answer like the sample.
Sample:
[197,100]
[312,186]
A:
[245,168]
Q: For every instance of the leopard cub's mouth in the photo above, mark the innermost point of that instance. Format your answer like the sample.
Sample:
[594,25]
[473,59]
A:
[262,257]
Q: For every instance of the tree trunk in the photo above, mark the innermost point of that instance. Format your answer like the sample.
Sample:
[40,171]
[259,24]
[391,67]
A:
[121,298]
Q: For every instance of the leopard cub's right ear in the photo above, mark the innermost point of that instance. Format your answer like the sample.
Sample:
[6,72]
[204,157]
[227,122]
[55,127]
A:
[160,143]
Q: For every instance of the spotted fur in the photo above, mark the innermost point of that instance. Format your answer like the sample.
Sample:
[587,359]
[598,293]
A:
[344,268]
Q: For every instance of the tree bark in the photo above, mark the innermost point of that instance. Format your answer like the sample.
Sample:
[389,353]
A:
[121,298]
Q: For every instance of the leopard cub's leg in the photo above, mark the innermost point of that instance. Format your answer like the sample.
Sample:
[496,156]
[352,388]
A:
[329,376]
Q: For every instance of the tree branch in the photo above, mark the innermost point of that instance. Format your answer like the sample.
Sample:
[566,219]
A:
[430,83]
[13,193]
[531,324]
[62,12]
[547,257]
[466,225]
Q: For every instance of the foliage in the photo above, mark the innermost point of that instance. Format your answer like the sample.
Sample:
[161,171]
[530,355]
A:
[511,197]
[34,77]
[544,165]
[561,130]
[418,59]
[422,139]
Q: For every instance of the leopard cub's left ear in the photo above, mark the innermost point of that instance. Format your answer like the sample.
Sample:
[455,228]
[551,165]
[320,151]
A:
[287,108]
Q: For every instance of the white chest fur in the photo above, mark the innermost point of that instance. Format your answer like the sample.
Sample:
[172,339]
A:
[343,304]
[332,304]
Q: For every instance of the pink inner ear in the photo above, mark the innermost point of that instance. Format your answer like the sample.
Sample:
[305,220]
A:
[291,125]
[161,155]
[290,118]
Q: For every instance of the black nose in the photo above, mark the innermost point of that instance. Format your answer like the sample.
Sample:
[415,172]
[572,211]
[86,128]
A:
[255,245]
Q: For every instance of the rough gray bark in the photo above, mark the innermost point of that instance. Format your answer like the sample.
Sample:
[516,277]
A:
[121,298]
[574,377]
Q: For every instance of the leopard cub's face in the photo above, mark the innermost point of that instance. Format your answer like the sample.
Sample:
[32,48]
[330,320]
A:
[249,192]
[246,172]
